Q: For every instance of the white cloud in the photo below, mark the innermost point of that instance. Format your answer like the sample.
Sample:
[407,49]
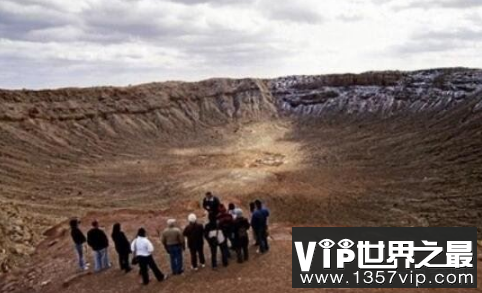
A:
[433,4]
[51,43]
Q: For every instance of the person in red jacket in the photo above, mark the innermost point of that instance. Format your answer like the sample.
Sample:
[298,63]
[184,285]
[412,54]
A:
[225,223]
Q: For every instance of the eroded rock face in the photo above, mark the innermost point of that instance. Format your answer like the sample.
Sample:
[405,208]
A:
[377,93]
[162,103]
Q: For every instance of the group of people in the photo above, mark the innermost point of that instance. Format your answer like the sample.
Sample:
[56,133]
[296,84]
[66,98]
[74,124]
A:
[226,231]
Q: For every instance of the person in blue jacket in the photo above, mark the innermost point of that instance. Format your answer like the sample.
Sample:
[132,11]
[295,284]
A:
[259,223]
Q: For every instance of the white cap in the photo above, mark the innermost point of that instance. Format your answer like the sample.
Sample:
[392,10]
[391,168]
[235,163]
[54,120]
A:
[191,218]
[238,212]
[171,222]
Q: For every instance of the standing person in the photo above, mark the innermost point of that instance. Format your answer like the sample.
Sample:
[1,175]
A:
[241,239]
[99,243]
[225,223]
[215,238]
[122,246]
[173,242]
[194,232]
[231,210]
[259,222]
[211,204]
[143,249]
[252,209]
[79,240]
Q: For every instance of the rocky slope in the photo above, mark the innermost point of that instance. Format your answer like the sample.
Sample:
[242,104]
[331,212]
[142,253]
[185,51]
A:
[384,93]
[377,93]
[43,133]
[16,237]
[165,102]
[406,144]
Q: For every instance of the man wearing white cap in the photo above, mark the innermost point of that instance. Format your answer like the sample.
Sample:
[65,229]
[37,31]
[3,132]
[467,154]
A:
[173,242]
[194,232]
[241,240]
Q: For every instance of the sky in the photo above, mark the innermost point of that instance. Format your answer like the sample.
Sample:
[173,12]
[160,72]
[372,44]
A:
[60,43]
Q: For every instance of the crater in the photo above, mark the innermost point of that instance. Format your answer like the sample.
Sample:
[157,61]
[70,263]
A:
[332,150]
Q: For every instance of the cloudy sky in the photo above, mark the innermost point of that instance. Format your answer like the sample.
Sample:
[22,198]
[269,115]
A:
[57,43]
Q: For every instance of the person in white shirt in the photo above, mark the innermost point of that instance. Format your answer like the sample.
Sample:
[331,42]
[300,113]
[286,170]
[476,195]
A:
[143,249]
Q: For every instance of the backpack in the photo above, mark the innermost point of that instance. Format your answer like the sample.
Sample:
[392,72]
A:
[242,232]
[243,229]
[216,237]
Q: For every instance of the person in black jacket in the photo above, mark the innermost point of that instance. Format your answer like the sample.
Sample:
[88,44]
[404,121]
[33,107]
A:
[194,232]
[211,204]
[215,237]
[241,239]
[79,240]
[99,243]
[122,246]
